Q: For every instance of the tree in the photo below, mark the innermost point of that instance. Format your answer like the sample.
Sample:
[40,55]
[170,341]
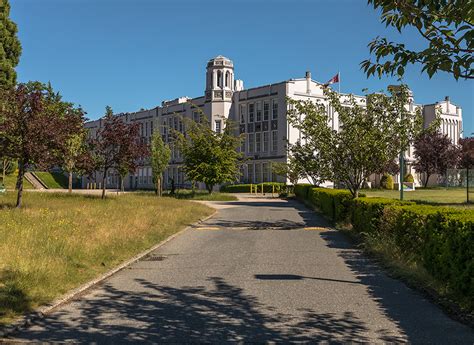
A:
[36,125]
[118,146]
[160,157]
[306,160]
[466,159]
[370,134]
[10,47]
[209,157]
[291,169]
[446,26]
[434,153]
[7,166]
[76,157]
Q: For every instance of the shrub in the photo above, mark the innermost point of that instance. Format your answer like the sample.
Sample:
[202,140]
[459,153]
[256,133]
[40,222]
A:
[386,181]
[268,187]
[442,239]
[409,178]
[302,190]
[334,203]
[367,212]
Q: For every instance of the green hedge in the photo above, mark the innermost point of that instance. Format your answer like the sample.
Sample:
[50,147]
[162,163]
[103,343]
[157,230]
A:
[245,188]
[302,190]
[386,182]
[442,239]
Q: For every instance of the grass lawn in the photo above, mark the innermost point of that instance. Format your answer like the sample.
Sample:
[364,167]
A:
[10,182]
[59,241]
[53,180]
[433,196]
[203,195]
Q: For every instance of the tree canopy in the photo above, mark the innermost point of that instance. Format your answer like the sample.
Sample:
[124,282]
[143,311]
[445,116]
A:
[209,157]
[10,47]
[447,27]
[36,126]
[370,135]
[160,157]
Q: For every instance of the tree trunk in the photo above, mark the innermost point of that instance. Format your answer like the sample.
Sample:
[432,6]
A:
[427,179]
[19,183]
[70,182]
[104,177]
[159,187]
[209,188]
[4,172]
[122,186]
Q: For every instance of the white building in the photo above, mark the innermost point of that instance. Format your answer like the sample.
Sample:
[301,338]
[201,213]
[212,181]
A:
[260,112]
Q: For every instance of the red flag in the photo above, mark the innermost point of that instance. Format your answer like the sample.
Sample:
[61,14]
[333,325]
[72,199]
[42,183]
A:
[333,80]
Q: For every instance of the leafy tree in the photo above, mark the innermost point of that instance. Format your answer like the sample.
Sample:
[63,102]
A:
[36,126]
[306,161]
[446,26]
[391,168]
[76,157]
[7,166]
[466,159]
[291,169]
[434,153]
[160,157]
[370,134]
[118,146]
[209,157]
[10,47]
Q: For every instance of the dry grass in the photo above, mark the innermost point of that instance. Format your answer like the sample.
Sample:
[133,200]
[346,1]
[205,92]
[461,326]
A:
[58,241]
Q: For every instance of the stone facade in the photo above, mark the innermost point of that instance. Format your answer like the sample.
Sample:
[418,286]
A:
[260,113]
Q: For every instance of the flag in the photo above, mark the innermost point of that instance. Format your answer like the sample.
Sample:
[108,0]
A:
[333,80]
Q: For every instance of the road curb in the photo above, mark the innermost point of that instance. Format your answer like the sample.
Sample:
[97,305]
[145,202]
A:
[41,312]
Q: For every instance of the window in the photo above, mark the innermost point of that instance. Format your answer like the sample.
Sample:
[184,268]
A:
[250,172]
[227,79]
[259,111]
[195,116]
[265,142]
[258,172]
[266,110]
[274,140]
[219,78]
[266,172]
[218,126]
[258,142]
[251,112]
[151,128]
[242,146]
[242,113]
[251,142]
[275,109]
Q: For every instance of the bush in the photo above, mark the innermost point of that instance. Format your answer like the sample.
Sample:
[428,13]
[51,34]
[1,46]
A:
[334,203]
[301,190]
[409,178]
[386,181]
[367,212]
[442,239]
[268,187]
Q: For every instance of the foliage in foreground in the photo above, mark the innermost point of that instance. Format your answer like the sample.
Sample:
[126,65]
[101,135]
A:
[446,26]
[10,46]
[59,241]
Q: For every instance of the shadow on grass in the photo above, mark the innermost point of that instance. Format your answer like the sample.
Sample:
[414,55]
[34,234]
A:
[13,300]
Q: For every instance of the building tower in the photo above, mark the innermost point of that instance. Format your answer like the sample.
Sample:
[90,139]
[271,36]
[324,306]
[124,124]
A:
[219,79]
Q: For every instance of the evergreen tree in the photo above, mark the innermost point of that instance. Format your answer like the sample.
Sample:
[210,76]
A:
[10,47]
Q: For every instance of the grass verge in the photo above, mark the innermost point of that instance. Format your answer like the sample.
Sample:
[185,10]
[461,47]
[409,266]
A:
[53,180]
[59,241]
[203,195]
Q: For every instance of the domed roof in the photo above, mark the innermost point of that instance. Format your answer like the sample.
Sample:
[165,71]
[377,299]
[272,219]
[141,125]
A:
[220,60]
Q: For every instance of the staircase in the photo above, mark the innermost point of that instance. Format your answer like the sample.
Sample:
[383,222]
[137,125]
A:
[35,181]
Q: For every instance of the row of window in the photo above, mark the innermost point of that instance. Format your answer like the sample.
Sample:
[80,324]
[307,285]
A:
[259,142]
[257,173]
[255,113]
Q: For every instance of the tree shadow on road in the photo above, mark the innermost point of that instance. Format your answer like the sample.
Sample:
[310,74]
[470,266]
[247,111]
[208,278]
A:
[420,320]
[221,312]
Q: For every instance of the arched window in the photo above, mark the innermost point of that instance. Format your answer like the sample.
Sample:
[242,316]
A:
[219,78]
[227,79]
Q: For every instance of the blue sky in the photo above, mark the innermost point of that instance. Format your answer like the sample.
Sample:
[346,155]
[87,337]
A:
[134,54]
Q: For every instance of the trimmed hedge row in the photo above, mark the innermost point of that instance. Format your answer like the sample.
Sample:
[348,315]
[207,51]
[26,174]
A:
[441,239]
[245,188]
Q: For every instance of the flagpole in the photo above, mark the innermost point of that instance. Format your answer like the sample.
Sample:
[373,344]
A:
[339,77]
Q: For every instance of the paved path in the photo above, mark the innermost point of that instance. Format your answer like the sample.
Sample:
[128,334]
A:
[234,279]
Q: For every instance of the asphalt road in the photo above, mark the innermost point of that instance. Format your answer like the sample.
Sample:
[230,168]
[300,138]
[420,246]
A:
[254,272]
